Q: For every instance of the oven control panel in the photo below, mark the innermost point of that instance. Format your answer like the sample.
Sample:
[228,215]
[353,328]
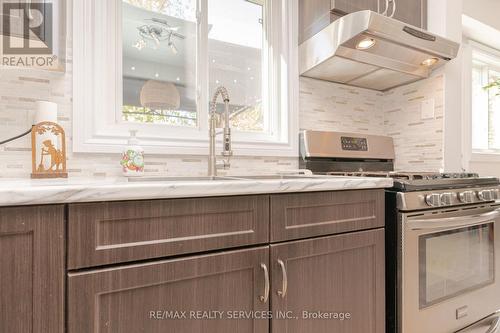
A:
[443,199]
[488,195]
[408,201]
[354,144]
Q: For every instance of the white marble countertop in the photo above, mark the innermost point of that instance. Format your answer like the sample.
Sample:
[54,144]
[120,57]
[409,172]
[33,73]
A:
[16,192]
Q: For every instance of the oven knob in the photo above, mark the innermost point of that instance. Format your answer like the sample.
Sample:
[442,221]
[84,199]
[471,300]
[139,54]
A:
[466,197]
[433,200]
[446,199]
[485,195]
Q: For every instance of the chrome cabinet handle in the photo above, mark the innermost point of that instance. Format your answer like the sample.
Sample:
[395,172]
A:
[393,8]
[264,298]
[495,325]
[284,286]
[29,12]
[386,7]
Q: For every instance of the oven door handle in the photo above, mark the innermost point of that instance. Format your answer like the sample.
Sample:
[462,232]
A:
[495,325]
[492,323]
[453,222]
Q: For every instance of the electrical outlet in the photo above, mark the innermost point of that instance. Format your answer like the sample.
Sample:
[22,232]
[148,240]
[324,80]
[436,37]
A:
[428,109]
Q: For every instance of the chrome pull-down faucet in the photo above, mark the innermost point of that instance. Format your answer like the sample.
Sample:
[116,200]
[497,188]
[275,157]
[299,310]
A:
[213,164]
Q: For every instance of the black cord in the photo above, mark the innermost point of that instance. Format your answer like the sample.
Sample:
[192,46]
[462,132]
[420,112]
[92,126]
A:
[16,137]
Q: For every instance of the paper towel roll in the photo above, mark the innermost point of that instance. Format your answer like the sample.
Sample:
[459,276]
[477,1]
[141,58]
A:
[45,111]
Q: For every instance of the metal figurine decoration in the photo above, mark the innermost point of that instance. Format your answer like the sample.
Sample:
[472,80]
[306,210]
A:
[48,142]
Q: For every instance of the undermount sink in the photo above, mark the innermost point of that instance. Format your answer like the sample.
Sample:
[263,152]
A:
[217,178]
[273,177]
[179,179]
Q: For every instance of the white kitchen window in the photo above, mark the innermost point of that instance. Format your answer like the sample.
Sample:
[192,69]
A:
[152,65]
[485,117]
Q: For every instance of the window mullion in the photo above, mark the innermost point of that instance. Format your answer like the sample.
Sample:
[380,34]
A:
[267,75]
[202,82]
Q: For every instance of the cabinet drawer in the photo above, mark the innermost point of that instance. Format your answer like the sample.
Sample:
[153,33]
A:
[137,298]
[303,215]
[113,232]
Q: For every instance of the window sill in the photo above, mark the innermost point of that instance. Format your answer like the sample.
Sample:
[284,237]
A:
[185,148]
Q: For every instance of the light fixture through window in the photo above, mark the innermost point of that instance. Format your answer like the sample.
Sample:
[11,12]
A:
[140,44]
[154,36]
[366,43]
[172,47]
[158,32]
[158,95]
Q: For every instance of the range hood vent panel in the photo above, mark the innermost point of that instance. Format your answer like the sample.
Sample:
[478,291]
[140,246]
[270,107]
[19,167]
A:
[394,60]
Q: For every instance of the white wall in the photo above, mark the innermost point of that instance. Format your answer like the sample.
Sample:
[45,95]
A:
[485,11]
[445,18]
[482,25]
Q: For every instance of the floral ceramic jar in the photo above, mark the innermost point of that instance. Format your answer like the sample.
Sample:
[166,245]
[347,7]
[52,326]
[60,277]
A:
[132,161]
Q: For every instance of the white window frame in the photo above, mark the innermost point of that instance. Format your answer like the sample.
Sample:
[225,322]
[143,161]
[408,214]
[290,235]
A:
[469,154]
[97,88]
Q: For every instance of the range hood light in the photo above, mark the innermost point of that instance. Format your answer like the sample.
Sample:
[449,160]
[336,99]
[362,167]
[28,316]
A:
[429,62]
[366,43]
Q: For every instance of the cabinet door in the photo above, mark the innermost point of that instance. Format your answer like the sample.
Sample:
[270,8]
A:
[15,13]
[32,269]
[332,275]
[314,15]
[142,297]
[413,12]
[350,6]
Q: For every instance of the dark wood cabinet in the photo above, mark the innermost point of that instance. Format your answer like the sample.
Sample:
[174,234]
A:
[116,232]
[314,15]
[350,6]
[139,298]
[303,215]
[152,266]
[15,13]
[337,274]
[413,12]
[32,270]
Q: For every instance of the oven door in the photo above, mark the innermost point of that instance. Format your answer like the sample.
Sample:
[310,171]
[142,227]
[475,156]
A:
[449,269]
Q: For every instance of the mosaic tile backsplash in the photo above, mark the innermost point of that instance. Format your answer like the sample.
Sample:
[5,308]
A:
[323,106]
[396,113]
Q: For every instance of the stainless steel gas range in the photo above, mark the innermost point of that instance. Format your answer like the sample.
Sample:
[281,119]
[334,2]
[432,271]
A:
[442,236]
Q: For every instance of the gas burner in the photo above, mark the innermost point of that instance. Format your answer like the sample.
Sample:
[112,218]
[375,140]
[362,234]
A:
[463,175]
[406,175]
[327,153]
[419,181]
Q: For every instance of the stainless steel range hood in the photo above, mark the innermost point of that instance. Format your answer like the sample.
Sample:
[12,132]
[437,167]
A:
[369,50]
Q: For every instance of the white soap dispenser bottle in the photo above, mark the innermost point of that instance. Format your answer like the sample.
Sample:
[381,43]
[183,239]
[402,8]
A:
[132,161]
